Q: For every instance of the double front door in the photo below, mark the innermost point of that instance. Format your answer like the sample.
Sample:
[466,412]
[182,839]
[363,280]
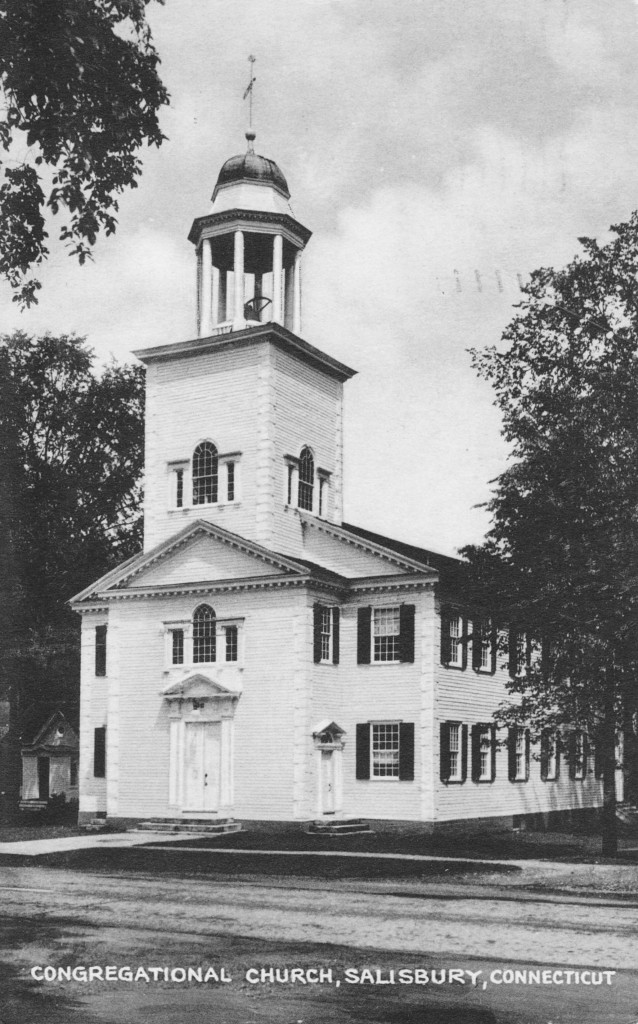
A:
[202,762]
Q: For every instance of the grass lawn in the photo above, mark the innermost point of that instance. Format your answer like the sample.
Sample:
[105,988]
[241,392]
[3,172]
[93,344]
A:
[503,845]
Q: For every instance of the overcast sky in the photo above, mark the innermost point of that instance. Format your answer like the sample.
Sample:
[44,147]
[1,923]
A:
[437,150]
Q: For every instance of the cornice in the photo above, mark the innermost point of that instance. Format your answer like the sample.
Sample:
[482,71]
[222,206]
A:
[238,216]
[272,332]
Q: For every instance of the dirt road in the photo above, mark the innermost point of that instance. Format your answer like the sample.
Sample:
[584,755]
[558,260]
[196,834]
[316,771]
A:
[57,918]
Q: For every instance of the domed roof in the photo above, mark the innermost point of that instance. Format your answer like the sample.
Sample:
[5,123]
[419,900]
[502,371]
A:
[251,167]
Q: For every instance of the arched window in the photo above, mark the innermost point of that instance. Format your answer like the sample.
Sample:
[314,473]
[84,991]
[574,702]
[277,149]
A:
[205,474]
[204,639]
[306,479]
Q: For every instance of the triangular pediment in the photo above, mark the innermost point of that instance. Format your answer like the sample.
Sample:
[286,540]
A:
[197,686]
[56,732]
[200,553]
[201,558]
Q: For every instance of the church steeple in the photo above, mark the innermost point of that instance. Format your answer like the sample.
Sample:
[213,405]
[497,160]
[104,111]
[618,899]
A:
[248,249]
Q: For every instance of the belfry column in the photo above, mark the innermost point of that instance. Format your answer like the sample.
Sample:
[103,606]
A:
[215,304]
[207,284]
[277,273]
[296,302]
[238,273]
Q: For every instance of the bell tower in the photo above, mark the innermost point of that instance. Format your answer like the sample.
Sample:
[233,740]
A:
[248,249]
[244,421]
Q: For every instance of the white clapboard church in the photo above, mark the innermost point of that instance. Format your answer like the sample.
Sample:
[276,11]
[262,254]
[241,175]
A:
[262,659]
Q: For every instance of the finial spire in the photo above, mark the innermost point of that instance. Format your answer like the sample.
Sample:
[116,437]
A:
[250,134]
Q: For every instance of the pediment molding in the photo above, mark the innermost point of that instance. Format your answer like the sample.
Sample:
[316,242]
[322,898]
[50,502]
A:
[198,686]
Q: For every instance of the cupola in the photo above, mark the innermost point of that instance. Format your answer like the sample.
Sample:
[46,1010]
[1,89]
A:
[248,249]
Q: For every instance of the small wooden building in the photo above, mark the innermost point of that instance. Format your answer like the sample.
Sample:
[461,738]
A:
[50,764]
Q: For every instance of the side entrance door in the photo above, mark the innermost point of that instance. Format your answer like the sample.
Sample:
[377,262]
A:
[43,778]
[328,782]
[202,759]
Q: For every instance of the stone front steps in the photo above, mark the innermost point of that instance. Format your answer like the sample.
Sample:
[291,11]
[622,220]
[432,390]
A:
[339,827]
[205,827]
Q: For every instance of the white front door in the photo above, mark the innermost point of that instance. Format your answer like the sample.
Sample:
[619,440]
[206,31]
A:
[328,782]
[202,759]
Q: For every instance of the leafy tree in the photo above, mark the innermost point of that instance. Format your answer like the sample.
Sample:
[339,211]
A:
[560,558]
[70,478]
[81,94]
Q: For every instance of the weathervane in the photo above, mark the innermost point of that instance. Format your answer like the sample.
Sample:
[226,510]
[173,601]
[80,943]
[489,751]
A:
[250,135]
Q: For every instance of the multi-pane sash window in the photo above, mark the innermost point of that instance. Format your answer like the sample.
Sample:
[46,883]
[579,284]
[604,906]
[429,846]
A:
[549,755]
[486,645]
[177,646]
[230,471]
[204,635]
[456,640]
[385,750]
[485,751]
[579,765]
[306,479]
[326,634]
[454,750]
[179,488]
[232,641]
[386,628]
[519,754]
[205,474]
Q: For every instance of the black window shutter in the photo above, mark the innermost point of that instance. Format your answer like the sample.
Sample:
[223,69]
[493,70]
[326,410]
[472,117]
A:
[476,753]
[335,636]
[316,634]
[406,751]
[464,641]
[477,643]
[586,754]
[493,751]
[512,647]
[444,764]
[364,620]
[511,754]
[406,632]
[446,647]
[100,650]
[363,751]
[463,753]
[546,739]
[99,753]
[528,743]
[558,741]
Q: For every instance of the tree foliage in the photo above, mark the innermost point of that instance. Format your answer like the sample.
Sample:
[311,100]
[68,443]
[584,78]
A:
[71,470]
[559,560]
[81,94]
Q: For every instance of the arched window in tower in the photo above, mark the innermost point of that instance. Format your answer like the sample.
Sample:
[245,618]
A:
[205,474]
[204,634]
[306,479]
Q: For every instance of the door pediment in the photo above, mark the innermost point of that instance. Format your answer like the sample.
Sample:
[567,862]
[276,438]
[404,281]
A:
[198,687]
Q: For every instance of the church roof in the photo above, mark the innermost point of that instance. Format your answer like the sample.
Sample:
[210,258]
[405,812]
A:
[451,570]
[254,168]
